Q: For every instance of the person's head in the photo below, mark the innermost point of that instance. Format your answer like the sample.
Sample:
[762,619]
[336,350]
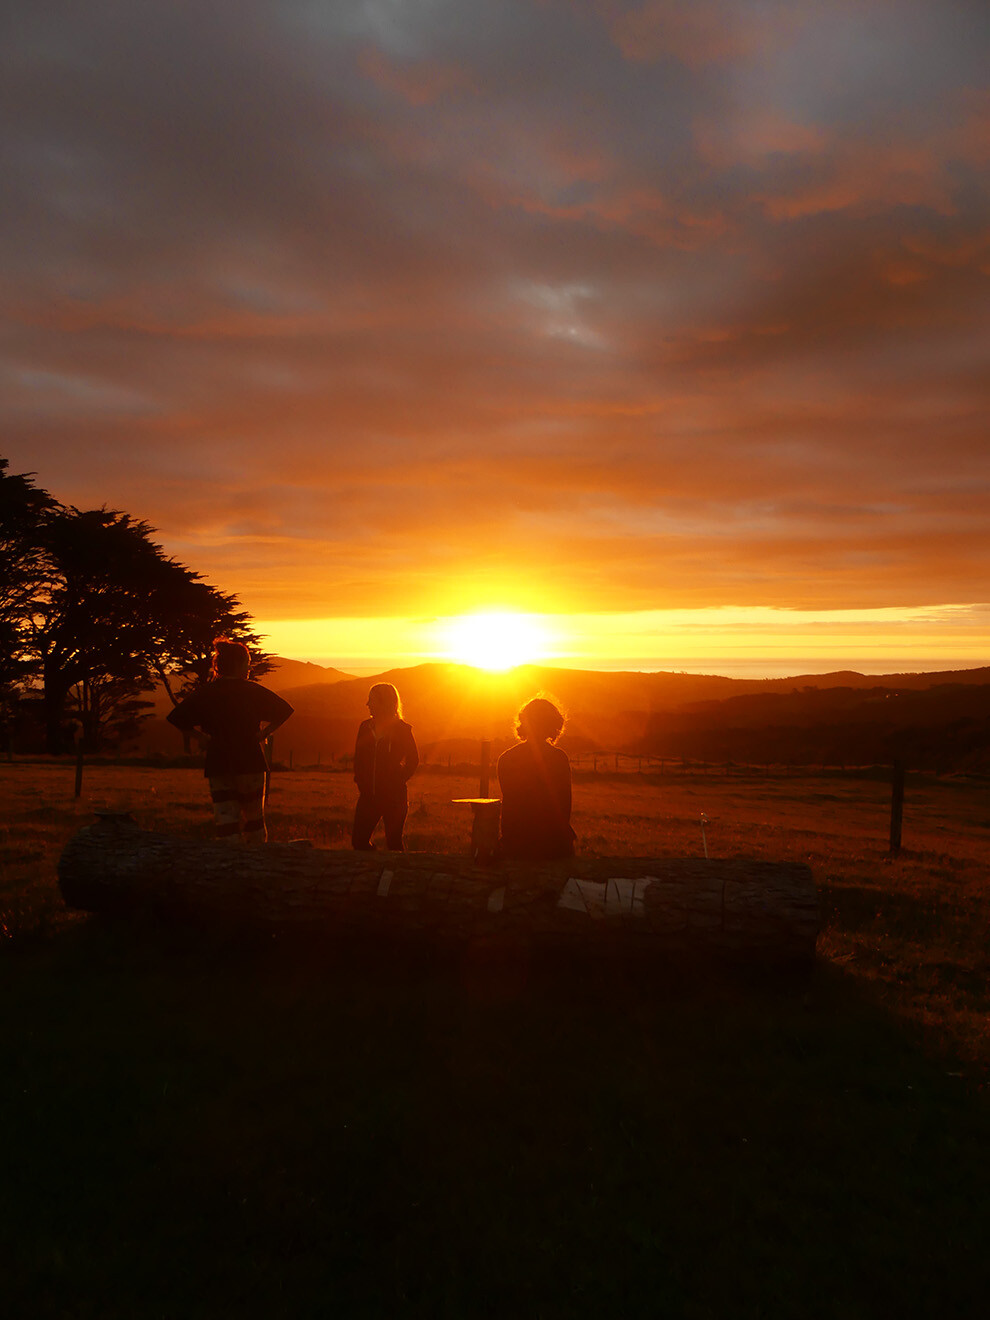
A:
[230,659]
[539,720]
[384,703]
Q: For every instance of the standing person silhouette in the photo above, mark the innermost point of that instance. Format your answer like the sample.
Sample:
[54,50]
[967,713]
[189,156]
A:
[535,779]
[238,716]
[385,757]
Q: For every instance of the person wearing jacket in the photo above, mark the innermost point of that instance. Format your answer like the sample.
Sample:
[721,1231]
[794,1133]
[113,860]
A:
[385,757]
[535,779]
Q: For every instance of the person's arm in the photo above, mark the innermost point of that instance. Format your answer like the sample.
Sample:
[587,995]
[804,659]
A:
[186,715]
[270,728]
[564,787]
[277,711]
[411,757]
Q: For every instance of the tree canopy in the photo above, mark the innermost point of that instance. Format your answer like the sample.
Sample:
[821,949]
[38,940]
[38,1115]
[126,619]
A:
[94,613]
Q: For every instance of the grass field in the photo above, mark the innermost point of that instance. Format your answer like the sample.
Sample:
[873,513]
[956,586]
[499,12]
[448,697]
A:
[266,1130]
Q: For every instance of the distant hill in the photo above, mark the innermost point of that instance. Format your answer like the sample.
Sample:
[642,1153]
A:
[452,707]
[285,677]
[945,726]
[809,717]
[300,673]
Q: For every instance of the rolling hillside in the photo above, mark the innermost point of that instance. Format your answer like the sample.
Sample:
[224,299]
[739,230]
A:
[451,707]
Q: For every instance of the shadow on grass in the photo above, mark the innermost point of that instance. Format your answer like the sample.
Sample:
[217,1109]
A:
[253,1128]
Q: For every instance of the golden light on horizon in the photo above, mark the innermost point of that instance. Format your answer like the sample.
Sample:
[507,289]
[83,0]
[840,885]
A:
[495,640]
[760,641]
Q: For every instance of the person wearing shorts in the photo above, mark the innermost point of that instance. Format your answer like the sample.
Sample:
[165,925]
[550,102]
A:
[237,716]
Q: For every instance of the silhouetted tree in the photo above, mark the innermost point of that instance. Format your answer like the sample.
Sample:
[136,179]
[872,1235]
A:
[118,616]
[94,621]
[93,614]
[191,615]
[24,570]
[110,708]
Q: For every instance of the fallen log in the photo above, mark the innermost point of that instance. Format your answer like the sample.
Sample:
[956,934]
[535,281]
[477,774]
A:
[761,909]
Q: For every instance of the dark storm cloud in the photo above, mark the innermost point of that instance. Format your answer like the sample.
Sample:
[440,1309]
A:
[687,298]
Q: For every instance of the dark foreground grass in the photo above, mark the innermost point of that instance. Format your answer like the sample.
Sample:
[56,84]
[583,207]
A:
[266,1130]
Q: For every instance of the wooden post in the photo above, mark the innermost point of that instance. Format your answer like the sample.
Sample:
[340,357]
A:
[896,806]
[486,752]
[79,769]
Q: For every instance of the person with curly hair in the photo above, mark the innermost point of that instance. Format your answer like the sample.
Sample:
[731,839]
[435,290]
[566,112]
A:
[535,779]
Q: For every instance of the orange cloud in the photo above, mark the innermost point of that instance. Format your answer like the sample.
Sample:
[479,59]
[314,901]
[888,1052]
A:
[367,309]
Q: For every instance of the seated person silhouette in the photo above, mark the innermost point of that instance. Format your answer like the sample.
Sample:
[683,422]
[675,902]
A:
[238,716]
[535,779]
[385,757]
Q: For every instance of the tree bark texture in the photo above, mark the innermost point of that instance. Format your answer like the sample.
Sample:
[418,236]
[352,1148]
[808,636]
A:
[764,910]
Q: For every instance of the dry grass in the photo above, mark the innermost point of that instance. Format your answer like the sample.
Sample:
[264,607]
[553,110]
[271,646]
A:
[914,931]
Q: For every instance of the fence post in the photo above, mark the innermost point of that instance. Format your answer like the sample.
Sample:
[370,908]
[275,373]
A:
[486,751]
[896,806]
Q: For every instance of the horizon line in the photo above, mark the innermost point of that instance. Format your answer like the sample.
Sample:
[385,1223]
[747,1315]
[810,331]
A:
[756,670]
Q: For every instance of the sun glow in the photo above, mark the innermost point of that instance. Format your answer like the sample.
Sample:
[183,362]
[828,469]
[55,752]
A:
[496,640]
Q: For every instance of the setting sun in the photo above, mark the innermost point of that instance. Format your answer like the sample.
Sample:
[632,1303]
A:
[496,640]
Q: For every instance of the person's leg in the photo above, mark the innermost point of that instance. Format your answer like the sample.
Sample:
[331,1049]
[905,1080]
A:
[367,814]
[251,798]
[395,819]
[226,806]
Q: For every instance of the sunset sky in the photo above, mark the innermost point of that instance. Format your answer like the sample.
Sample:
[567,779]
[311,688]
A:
[665,323]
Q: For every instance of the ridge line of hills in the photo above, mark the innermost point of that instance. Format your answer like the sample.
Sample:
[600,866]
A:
[298,673]
[832,718]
